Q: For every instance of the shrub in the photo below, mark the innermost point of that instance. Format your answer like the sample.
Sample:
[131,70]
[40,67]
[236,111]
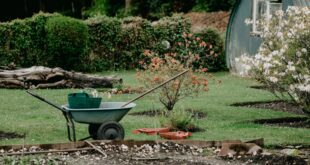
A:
[120,43]
[37,54]
[171,28]
[215,60]
[99,43]
[23,41]
[19,42]
[104,39]
[282,63]
[4,58]
[67,40]
[136,35]
[209,53]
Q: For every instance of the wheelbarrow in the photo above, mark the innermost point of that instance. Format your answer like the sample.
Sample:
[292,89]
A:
[103,121]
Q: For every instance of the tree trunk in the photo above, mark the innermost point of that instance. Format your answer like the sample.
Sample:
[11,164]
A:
[43,77]
[127,6]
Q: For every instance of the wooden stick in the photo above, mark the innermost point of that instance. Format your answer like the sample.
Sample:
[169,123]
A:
[44,152]
[97,149]
[151,159]
[160,85]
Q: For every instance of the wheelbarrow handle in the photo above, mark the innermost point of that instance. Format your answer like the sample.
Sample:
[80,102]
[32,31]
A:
[158,86]
[44,100]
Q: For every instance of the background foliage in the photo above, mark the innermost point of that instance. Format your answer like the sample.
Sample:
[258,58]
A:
[156,9]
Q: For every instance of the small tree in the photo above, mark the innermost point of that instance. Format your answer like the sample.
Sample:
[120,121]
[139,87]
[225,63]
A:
[157,69]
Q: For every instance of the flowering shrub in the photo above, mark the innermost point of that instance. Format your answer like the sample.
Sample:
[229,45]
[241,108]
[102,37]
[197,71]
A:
[282,62]
[160,69]
[194,46]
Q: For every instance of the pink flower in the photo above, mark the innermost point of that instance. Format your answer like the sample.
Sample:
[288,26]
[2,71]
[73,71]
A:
[202,44]
[204,69]
[147,52]
[141,62]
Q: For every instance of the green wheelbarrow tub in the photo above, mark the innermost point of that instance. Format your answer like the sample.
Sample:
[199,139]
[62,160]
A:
[108,111]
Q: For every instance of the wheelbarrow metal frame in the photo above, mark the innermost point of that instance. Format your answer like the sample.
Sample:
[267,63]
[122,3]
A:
[67,115]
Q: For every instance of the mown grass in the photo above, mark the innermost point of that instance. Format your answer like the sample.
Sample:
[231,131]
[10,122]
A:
[42,123]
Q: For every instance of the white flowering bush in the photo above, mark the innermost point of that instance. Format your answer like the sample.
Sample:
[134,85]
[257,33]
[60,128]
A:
[282,63]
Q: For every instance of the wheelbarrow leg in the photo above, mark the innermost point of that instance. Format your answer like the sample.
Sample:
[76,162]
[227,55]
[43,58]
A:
[70,125]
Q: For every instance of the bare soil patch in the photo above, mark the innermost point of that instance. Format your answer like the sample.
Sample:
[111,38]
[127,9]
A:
[273,160]
[199,21]
[9,135]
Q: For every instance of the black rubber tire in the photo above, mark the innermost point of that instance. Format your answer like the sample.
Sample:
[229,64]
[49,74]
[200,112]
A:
[111,131]
[93,129]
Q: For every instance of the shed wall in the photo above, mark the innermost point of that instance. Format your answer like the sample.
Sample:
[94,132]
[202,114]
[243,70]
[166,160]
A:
[240,40]
[301,2]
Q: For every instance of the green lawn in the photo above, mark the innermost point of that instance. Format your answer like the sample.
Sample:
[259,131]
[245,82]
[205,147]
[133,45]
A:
[42,123]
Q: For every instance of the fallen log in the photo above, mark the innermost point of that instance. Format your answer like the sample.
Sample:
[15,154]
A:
[44,77]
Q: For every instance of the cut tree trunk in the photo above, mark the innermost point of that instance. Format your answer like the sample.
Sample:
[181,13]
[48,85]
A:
[43,77]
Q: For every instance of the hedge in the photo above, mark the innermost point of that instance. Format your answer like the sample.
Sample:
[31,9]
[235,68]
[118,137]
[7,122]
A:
[96,44]
[67,40]
[120,43]
[23,42]
[104,38]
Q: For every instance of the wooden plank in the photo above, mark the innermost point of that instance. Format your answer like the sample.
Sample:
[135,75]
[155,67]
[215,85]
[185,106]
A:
[46,151]
[129,143]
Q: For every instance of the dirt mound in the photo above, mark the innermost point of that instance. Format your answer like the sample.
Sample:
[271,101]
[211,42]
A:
[218,20]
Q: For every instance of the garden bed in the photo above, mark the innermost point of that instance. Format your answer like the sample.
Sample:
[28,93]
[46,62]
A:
[279,105]
[9,135]
[156,112]
[139,152]
[296,122]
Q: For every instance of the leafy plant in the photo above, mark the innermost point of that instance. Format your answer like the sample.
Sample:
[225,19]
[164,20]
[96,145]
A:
[178,120]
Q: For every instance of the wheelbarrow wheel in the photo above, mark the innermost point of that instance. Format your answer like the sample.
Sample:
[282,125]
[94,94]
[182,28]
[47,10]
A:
[93,129]
[110,131]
